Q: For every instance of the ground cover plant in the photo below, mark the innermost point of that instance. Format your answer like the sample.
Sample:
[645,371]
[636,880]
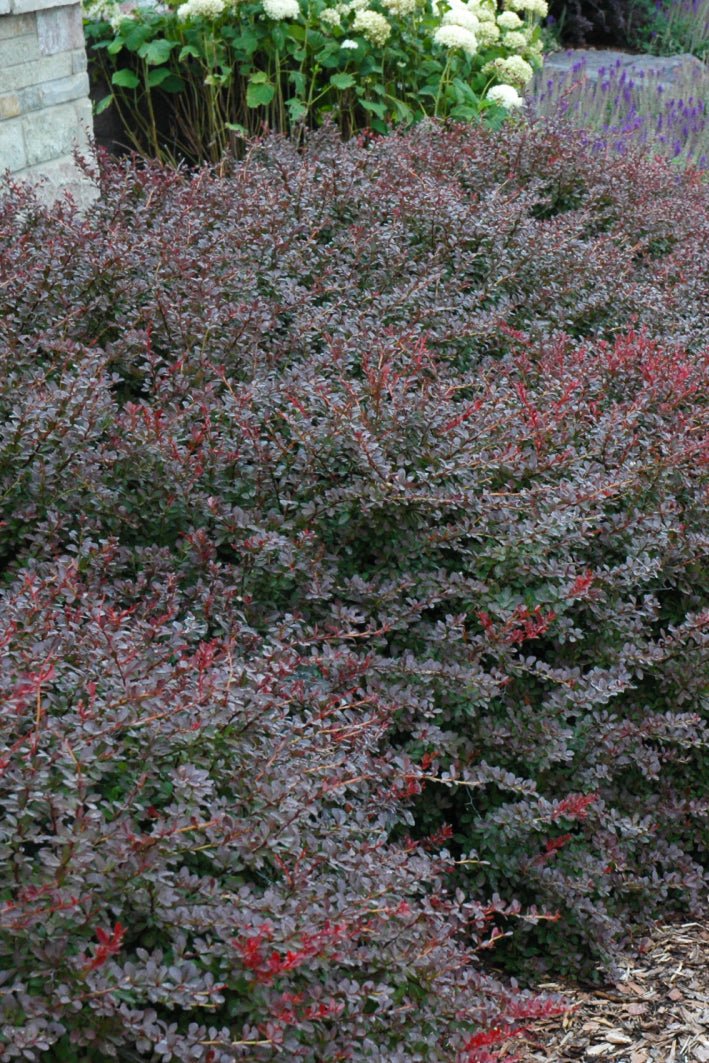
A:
[354,595]
[190,78]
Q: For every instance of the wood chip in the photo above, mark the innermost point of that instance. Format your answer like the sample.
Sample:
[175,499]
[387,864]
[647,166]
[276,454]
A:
[658,1011]
[632,987]
[617,1037]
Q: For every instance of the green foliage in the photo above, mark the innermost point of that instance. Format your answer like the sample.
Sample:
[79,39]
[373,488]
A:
[679,27]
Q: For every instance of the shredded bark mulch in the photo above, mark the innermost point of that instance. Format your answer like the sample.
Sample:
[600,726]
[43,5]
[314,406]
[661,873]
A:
[656,1012]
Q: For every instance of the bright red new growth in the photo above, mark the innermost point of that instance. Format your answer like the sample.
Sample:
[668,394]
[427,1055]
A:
[109,945]
[575,806]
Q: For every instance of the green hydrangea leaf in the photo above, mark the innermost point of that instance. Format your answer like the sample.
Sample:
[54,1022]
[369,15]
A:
[156,52]
[125,79]
[342,81]
[259,94]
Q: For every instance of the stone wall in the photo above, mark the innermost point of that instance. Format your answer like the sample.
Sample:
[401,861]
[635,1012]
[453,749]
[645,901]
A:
[44,102]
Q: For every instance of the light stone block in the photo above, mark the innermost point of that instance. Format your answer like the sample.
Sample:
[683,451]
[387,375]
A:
[18,51]
[84,126]
[60,29]
[49,68]
[5,7]
[60,176]
[20,7]
[78,60]
[50,133]
[52,93]
[84,114]
[10,106]
[16,25]
[12,145]
[30,99]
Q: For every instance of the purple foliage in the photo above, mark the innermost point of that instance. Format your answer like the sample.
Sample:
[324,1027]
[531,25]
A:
[354,593]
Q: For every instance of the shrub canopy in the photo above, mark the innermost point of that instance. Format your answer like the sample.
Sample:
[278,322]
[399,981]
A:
[354,598]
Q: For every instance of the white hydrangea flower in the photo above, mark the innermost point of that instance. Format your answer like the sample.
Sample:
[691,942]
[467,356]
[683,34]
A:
[486,10]
[514,70]
[509,20]
[281,9]
[506,96]
[516,41]
[209,9]
[400,7]
[534,54]
[488,33]
[535,7]
[331,17]
[349,44]
[372,25]
[460,15]
[453,36]
[100,10]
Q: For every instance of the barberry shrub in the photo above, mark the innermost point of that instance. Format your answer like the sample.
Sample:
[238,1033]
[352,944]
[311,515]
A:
[354,592]
[196,847]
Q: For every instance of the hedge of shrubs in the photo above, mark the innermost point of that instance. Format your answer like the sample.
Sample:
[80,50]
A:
[354,597]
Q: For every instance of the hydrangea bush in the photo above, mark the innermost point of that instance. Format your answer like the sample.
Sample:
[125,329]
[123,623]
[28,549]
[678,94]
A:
[354,593]
[190,79]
